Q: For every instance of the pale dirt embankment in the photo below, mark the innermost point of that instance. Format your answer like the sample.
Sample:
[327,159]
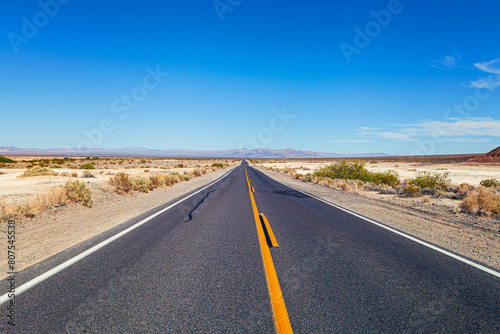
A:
[55,230]
[436,221]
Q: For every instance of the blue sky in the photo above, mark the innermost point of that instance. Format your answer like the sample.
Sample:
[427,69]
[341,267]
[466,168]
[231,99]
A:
[400,77]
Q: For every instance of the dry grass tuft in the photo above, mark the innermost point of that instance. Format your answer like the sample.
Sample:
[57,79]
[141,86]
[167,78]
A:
[463,190]
[78,192]
[482,201]
[51,199]
[38,171]
[121,183]
[142,185]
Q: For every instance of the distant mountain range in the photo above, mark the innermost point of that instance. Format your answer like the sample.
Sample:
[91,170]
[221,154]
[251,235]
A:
[258,153]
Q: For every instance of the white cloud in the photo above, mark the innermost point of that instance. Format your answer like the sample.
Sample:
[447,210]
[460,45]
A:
[491,82]
[350,141]
[395,135]
[493,68]
[471,129]
[447,61]
[468,140]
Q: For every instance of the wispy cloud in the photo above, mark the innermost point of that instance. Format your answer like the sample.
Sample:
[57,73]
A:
[350,140]
[447,61]
[468,140]
[471,129]
[493,68]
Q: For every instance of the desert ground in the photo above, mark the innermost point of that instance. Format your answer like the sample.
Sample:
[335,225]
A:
[17,190]
[459,173]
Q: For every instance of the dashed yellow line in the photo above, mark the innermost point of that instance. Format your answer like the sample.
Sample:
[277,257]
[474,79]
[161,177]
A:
[281,320]
[274,242]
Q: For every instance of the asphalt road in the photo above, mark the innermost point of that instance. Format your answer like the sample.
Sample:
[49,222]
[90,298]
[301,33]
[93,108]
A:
[198,268]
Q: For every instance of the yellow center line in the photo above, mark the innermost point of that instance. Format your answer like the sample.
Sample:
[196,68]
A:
[274,242]
[281,320]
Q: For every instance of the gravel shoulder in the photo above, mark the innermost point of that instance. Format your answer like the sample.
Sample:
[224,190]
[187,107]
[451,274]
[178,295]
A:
[437,222]
[55,230]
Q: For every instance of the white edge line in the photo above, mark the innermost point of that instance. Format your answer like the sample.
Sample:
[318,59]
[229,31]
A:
[28,285]
[441,250]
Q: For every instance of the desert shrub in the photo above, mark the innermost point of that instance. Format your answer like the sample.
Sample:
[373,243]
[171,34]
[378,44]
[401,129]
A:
[347,170]
[121,183]
[217,165]
[429,180]
[290,172]
[170,180]
[87,166]
[56,166]
[196,173]
[387,190]
[78,192]
[74,174]
[389,178]
[410,190]
[439,194]
[87,174]
[482,201]
[141,184]
[25,210]
[462,190]
[490,183]
[52,198]
[57,161]
[180,166]
[309,177]
[156,180]
[38,171]
[6,160]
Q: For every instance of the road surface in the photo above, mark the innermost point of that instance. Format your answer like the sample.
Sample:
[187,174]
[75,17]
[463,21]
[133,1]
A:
[197,267]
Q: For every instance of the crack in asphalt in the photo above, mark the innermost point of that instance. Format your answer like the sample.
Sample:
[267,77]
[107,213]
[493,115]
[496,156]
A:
[190,214]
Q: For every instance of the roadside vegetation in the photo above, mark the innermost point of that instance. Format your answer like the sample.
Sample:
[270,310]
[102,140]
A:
[77,192]
[5,160]
[38,171]
[352,176]
[123,183]
[71,192]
